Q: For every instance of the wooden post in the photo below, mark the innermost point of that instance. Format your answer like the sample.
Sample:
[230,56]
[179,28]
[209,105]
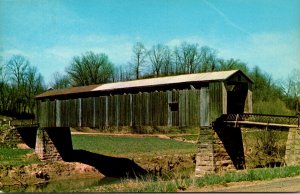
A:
[204,107]
[131,112]
[79,112]
[106,111]
[224,97]
[57,113]
[117,110]
[147,108]
[94,111]
[169,108]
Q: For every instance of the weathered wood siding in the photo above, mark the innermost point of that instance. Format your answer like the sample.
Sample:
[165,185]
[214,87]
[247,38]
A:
[204,107]
[189,107]
[215,100]
[248,103]
[141,109]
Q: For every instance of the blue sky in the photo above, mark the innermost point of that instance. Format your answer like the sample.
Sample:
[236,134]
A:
[49,33]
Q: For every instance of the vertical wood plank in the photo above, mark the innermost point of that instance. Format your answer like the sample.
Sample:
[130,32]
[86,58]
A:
[106,111]
[215,100]
[224,97]
[169,108]
[131,109]
[94,111]
[204,107]
[79,112]
[117,110]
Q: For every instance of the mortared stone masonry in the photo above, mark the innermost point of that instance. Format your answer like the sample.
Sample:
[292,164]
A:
[53,143]
[219,149]
[292,152]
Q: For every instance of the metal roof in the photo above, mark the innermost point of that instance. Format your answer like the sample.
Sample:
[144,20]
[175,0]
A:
[209,76]
[67,91]
[197,77]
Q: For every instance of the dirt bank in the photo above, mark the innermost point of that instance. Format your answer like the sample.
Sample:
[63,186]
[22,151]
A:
[166,164]
[53,171]
[43,172]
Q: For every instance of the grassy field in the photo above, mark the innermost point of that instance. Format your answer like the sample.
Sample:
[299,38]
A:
[152,184]
[15,157]
[147,147]
[131,146]
[106,145]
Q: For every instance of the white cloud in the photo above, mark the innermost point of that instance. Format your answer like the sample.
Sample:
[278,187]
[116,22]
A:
[58,57]
[275,53]
[191,39]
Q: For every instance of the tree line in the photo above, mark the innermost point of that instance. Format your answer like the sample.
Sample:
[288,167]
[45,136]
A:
[18,77]
[19,83]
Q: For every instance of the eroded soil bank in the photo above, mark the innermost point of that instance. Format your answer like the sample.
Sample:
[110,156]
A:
[35,174]
[25,175]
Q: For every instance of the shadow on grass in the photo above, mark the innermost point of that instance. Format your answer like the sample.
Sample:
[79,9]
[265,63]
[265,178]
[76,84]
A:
[109,166]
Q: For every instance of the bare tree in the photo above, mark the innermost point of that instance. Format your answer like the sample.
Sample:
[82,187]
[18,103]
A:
[33,86]
[90,69]
[208,59]
[4,89]
[17,67]
[167,68]
[157,58]
[291,89]
[122,73]
[138,59]
[24,83]
[59,81]
[186,58]
[232,64]
[2,72]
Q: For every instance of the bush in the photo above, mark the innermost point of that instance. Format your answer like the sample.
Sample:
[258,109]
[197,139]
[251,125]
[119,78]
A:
[264,148]
[275,107]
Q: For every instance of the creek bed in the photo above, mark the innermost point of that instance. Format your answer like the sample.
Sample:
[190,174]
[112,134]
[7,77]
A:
[62,185]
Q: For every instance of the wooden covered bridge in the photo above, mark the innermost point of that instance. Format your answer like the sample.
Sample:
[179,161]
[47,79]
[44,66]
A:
[184,100]
[200,99]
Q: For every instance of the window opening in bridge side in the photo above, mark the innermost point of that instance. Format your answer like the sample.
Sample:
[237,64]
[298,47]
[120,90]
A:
[173,106]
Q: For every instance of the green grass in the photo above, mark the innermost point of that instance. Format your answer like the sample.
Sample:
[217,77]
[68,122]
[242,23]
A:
[177,183]
[129,146]
[251,175]
[15,157]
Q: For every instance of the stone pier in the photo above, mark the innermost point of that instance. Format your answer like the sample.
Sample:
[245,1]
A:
[220,149]
[292,152]
[53,143]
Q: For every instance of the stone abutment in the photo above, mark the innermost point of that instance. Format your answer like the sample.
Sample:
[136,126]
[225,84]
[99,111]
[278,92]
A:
[292,152]
[53,143]
[219,149]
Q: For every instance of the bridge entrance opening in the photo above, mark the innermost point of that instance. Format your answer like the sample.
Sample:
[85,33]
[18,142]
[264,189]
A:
[236,97]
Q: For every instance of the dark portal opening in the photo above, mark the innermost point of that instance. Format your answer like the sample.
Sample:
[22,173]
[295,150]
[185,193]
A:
[236,97]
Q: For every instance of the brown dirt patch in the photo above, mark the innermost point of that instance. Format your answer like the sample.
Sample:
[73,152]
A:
[166,164]
[39,173]
[23,146]
[162,136]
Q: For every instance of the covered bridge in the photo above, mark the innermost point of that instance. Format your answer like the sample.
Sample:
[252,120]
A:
[182,100]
